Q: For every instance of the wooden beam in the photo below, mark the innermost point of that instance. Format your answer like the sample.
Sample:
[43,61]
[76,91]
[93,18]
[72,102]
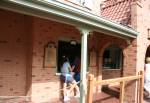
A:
[122,88]
[121,80]
[138,89]
[141,87]
[108,81]
[90,88]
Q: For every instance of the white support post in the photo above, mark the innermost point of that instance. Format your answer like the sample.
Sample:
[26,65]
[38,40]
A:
[83,82]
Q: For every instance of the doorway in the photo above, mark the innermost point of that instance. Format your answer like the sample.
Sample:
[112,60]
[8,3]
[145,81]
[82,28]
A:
[69,49]
[148,52]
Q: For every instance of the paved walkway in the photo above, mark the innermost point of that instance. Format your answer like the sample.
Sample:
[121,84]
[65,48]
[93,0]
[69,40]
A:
[108,95]
[147,100]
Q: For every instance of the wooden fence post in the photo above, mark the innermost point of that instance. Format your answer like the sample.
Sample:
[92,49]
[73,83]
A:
[90,88]
[138,88]
[141,87]
[122,88]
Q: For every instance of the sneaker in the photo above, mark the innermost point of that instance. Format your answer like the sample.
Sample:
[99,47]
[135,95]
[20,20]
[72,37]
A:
[66,98]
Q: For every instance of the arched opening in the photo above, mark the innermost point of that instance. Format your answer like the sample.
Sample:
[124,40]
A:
[148,52]
[112,57]
[147,73]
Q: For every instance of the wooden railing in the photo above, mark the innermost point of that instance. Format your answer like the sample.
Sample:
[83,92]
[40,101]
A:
[122,80]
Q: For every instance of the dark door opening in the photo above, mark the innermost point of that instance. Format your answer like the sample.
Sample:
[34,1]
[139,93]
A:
[148,52]
[69,50]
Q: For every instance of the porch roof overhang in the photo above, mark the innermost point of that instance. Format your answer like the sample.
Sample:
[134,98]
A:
[62,12]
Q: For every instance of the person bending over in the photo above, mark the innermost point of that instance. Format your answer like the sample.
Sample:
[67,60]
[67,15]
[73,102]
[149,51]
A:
[67,78]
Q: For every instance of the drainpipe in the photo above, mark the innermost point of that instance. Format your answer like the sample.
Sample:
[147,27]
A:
[83,85]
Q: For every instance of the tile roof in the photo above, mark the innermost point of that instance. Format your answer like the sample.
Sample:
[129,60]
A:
[117,10]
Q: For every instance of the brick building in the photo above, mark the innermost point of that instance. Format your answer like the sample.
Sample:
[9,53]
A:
[111,36]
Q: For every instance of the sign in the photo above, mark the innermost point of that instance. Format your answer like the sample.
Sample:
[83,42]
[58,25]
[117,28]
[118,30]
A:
[50,55]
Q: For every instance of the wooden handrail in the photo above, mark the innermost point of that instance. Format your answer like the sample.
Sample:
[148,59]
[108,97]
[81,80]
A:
[108,81]
[122,80]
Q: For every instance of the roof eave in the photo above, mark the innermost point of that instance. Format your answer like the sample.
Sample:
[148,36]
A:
[74,16]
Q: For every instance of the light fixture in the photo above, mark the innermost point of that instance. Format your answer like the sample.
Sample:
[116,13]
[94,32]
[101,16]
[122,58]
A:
[73,42]
[148,31]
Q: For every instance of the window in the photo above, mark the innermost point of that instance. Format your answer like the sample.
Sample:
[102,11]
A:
[75,1]
[113,57]
[88,3]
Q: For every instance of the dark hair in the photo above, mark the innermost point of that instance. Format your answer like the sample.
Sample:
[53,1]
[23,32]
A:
[64,59]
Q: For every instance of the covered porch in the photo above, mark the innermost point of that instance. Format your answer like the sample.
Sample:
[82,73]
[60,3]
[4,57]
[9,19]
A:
[29,27]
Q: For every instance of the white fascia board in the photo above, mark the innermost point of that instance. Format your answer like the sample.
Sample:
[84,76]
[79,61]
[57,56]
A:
[71,15]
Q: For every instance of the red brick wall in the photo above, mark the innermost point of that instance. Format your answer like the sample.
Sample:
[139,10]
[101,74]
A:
[44,79]
[14,34]
[101,42]
[129,61]
[109,74]
[45,84]
[105,41]
[141,22]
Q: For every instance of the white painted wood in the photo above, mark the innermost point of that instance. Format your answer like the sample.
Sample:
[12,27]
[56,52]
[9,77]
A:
[83,84]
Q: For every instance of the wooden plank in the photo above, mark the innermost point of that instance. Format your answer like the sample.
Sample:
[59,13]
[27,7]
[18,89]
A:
[108,81]
[122,80]
[90,88]
[122,92]
[138,88]
[141,87]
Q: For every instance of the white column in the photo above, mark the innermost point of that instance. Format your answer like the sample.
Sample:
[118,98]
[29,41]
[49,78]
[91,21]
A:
[84,66]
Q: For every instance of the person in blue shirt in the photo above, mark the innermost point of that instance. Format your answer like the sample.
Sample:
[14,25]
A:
[67,78]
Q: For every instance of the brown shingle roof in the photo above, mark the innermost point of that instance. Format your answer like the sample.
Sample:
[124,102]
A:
[117,10]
